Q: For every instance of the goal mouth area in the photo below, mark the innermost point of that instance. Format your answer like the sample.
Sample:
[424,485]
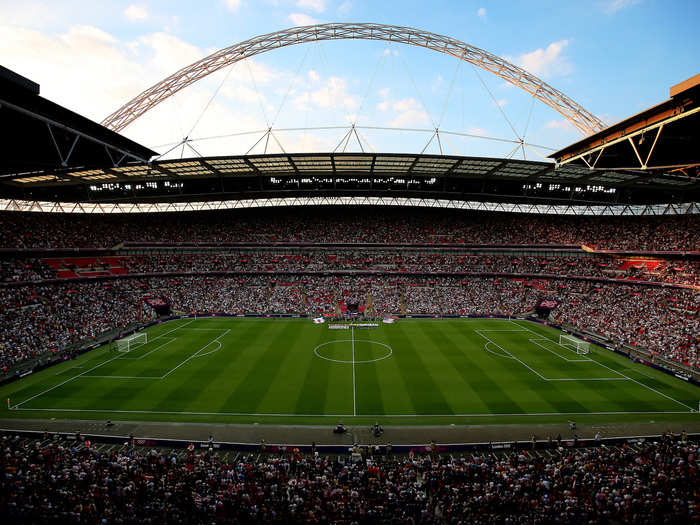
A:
[574,343]
[132,342]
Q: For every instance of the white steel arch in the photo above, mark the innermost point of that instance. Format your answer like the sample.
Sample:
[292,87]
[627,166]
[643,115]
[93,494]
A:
[584,121]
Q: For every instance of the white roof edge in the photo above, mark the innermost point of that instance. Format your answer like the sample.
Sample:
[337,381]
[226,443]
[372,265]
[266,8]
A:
[16,205]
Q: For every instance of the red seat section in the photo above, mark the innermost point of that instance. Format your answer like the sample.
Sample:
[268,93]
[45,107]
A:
[67,267]
[648,265]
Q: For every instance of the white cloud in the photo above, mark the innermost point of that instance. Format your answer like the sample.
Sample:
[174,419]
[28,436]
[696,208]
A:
[24,13]
[233,5]
[478,131]
[481,12]
[335,93]
[344,8]
[85,56]
[302,102]
[242,93]
[405,104]
[86,35]
[303,142]
[438,83]
[240,88]
[331,96]
[410,118]
[403,112]
[312,5]
[136,13]
[501,102]
[549,61]
[173,25]
[301,19]
[53,60]
[170,52]
[561,125]
[613,6]
[262,73]
[409,113]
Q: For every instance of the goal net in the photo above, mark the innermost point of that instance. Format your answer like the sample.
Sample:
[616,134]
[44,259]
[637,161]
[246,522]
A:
[132,342]
[574,343]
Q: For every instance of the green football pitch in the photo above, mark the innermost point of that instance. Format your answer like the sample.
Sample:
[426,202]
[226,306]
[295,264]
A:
[413,372]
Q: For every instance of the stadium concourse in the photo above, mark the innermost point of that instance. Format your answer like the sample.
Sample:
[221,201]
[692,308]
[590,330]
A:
[387,261]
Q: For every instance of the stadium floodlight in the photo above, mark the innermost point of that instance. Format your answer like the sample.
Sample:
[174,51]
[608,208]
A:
[574,343]
[132,342]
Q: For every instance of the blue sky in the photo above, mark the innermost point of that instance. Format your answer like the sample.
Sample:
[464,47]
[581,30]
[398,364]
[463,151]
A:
[614,57]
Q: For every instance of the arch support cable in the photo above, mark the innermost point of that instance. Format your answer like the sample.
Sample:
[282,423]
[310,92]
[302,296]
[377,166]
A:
[584,121]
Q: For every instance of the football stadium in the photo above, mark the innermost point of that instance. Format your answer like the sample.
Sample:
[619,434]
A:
[289,290]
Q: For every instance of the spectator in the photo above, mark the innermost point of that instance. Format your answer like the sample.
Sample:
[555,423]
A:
[58,482]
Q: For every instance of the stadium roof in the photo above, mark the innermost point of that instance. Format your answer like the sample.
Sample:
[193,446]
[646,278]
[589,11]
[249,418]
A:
[17,205]
[665,137]
[377,174]
[53,155]
[39,135]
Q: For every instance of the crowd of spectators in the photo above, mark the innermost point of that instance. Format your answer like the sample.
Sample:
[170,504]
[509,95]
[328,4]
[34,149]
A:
[61,482]
[46,317]
[25,269]
[384,279]
[675,271]
[667,323]
[670,271]
[56,481]
[348,225]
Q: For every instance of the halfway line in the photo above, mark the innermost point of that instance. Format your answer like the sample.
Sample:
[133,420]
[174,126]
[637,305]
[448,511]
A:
[354,402]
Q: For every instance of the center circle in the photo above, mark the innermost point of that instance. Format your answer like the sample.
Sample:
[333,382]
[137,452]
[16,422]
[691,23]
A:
[347,343]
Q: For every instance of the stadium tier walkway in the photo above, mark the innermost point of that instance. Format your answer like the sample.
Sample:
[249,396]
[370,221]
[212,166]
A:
[323,435]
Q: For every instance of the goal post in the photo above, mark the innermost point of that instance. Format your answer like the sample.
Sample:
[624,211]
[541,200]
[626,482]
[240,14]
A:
[132,342]
[574,343]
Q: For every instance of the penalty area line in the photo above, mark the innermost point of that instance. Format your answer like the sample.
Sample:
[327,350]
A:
[208,329]
[511,356]
[15,407]
[620,373]
[120,377]
[215,340]
[64,382]
[211,351]
[69,369]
